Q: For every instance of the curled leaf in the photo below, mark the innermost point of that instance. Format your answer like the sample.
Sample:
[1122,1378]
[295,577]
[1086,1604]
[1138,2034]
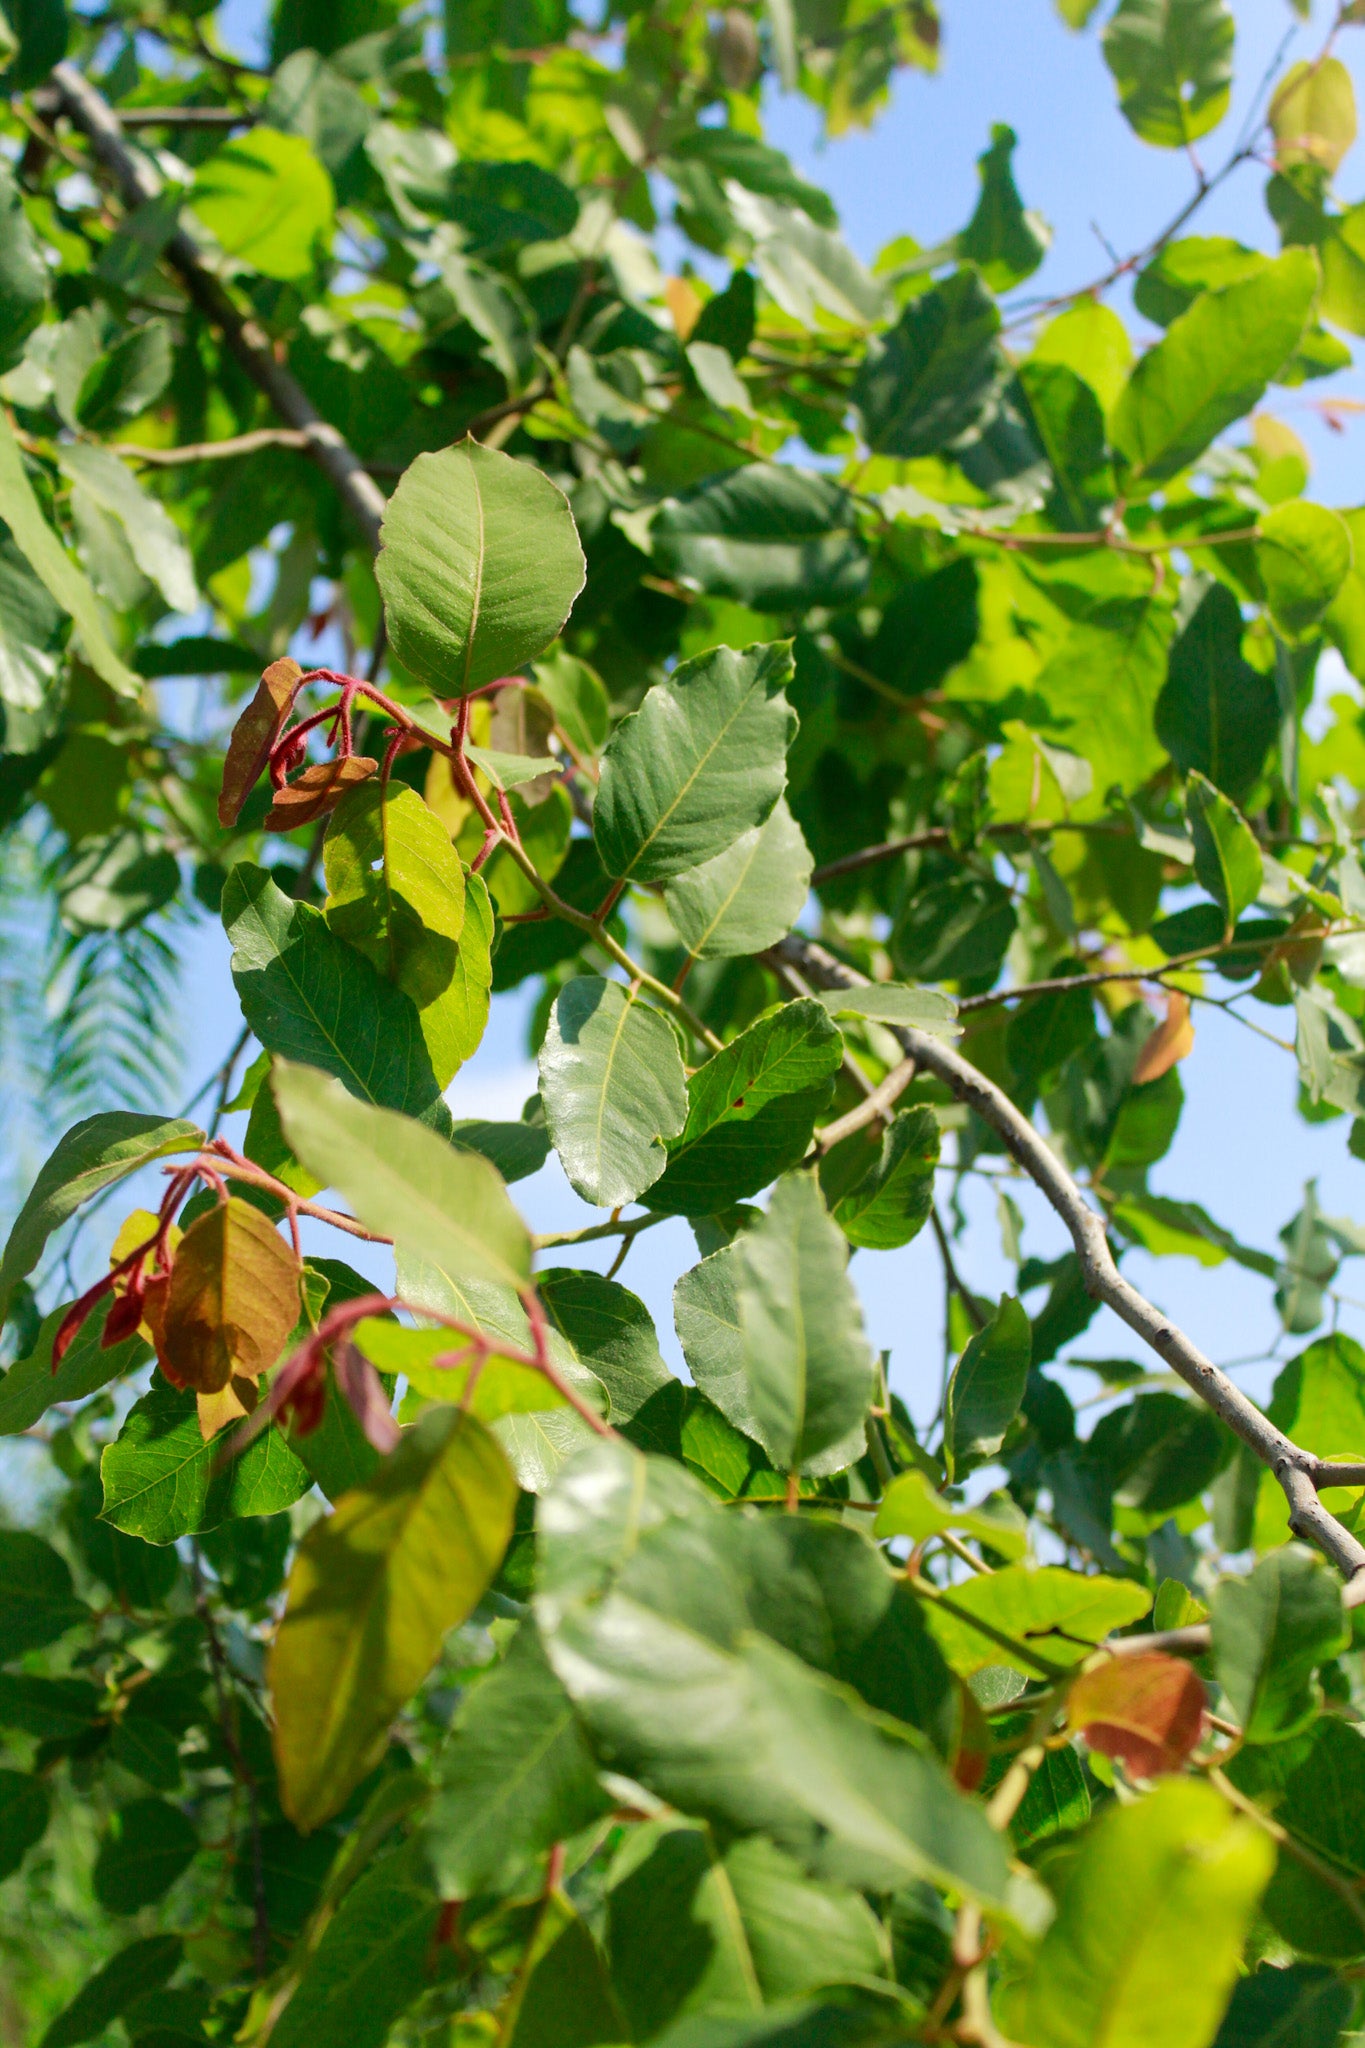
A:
[318,790]
[255,734]
[1172,1040]
[232,1301]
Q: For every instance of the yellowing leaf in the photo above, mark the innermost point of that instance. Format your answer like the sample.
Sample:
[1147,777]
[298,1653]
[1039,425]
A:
[1313,114]
[232,1301]
[373,1591]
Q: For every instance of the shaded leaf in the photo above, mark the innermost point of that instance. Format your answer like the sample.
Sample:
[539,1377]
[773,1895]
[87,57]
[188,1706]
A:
[159,1475]
[986,1388]
[232,1301]
[614,1089]
[1270,1633]
[148,1844]
[936,375]
[774,538]
[1147,1710]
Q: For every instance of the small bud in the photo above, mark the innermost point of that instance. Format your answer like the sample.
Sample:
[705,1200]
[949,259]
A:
[736,50]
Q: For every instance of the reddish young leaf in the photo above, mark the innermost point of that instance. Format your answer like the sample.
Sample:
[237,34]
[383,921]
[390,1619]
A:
[1146,1711]
[232,1301]
[319,789]
[254,734]
[973,1751]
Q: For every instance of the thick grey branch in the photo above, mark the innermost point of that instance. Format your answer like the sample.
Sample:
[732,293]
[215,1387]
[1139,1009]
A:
[1297,1471]
[138,182]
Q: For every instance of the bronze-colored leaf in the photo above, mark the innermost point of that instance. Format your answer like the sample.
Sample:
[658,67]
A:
[255,734]
[318,790]
[1146,1710]
[232,1403]
[232,1301]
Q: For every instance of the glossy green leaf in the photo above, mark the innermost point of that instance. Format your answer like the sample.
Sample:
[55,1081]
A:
[1301,2006]
[911,1507]
[806,1360]
[1172,63]
[93,1155]
[1216,713]
[267,201]
[516,1776]
[310,997]
[1270,1633]
[613,1333]
[654,1644]
[747,897]
[1227,856]
[371,1594]
[149,1843]
[1213,363]
[434,1199]
[935,376]
[37,1599]
[774,538]
[141,1967]
[751,1111]
[371,1962]
[1149,1933]
[1029,1614]
[1005,240]
[159,1475]
[890,1204]
[614,1089]
[1304,555]
[55,569]
[701,761]
[479,568]
[986,1388]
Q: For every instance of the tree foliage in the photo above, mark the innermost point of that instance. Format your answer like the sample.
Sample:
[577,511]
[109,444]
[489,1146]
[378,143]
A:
[864,708]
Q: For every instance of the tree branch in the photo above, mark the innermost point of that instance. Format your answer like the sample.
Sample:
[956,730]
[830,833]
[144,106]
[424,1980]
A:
[1297,1471]
[138,182]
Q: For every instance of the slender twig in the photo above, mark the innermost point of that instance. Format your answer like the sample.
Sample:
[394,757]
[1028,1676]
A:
[876,1105]
[1296,1470]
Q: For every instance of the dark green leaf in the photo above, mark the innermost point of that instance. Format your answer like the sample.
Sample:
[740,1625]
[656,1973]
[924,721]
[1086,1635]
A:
[1227,857]
[986,1388]
[1216,713]
[1172,64]
[37,1600]
[141,1967]
[148,1845]
[371,1962]
[25,1804]
[890,1204]
[936,375]
[1003,239]
[23,275]
[1270,1633]
[773,538]
[159,1476]
[1303,2006]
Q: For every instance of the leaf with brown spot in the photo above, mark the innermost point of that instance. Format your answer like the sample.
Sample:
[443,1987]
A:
[232,1301]
[255,734]
[318,790]
[1147,1711]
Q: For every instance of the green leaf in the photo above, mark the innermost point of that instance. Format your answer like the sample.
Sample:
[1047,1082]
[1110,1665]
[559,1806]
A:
[578,701]
[935,376]
[889,1205]
[141,1967]
[706,1317]
[37,1600]
[1172,63]
[1304,555]
[1270,1633]
[371,1962]
[373,1590]
[40,29]
[891,1002]
[773,538]
[397,894]
[310,997]
[516,1776]
[23,274]
[1318,1400]
[1003,239]
[93,1155]
[1059,1616]
[160,1481]
[751,1111]
[500,1387]
[1216,713]
[51,1709]
[1149,1933]
[25,1805]
[1213,364]
[611,1331]
[1227,856]
[479,568]
[614,1089]
[692,1930]
[746,898]
[806,1361]
[804,266]
[444,1204]
[148,1845]
[55,569]
[701,761]
[1315,1784]
[516,1150]
[267,200]
[986,1388]
[1301,2006]
[649,1632]
[911,1507]
[154,540]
